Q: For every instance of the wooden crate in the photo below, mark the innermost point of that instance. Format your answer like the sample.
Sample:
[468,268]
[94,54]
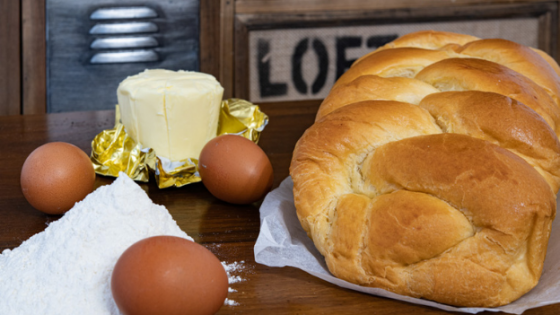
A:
[274,70]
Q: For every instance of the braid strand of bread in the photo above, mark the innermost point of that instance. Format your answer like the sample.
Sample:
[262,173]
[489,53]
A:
[432,168]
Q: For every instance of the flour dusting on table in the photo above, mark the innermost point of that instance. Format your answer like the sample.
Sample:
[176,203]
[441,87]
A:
[230,269]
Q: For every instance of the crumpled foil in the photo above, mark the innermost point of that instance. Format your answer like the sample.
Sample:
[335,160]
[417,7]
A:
[114,151]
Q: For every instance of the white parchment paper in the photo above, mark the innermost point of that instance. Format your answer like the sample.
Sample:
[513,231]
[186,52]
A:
[283,242]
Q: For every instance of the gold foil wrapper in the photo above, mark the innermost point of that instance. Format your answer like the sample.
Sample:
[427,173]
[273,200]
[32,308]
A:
[176,174]
[242,118]
[113,151]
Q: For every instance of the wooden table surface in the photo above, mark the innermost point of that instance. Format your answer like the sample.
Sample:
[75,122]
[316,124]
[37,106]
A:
[229,231]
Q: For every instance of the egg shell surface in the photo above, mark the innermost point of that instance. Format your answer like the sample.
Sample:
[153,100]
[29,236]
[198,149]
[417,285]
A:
[235,170]
[168,275]
[55,176]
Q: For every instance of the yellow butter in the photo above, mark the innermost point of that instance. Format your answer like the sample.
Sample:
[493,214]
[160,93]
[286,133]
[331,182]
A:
[173,112]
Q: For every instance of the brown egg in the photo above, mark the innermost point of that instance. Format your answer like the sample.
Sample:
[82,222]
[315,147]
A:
[168,275]
[55,176]
[235,169]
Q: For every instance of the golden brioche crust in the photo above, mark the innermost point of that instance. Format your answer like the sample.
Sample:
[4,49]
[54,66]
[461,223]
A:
[432,168]
[398,62]
[426,40]
[518,58]
[466,74]
[372,87]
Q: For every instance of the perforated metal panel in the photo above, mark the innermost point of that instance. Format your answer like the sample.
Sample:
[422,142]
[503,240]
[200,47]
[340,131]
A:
[93,45]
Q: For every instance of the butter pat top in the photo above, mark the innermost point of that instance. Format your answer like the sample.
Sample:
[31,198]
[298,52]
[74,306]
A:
[173,112]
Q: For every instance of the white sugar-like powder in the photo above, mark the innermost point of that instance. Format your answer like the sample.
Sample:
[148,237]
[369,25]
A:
[66,269]
[230,269]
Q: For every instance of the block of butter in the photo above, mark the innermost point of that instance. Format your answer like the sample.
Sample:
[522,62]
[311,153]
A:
[173,112]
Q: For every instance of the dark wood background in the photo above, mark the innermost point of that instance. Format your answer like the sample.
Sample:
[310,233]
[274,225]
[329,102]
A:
[224,24]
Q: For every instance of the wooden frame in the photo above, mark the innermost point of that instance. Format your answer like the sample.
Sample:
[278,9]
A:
[546,12]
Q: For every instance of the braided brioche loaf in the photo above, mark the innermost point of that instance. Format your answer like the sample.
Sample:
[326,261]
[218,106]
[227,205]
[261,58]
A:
[432,168]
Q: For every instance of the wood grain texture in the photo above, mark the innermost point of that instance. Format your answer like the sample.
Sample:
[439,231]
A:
[295,6]
[34,69]
[227,40]
[241,65]
[229,231]
[210,37]
[10,92]
[287,20]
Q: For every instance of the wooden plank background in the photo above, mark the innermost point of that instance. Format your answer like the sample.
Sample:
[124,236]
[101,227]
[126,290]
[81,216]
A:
[210,37]
[22,39]
[298,6]
[286,21]
[34,68]
[304,9]
[10,88]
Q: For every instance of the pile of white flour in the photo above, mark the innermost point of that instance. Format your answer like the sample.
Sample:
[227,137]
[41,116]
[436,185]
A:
[66,269]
